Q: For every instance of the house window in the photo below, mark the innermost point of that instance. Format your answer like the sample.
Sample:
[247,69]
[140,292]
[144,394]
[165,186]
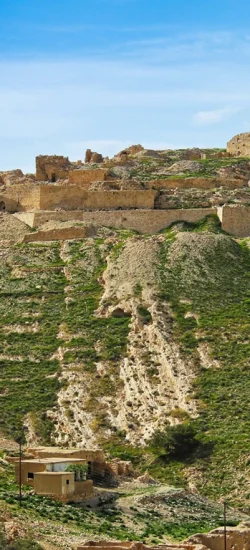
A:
[30,475]
[67,481]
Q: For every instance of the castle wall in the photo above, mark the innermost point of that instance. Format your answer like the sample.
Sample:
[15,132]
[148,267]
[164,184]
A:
[96,200]
[59,196]
[22,197]
[35,219]
[194,183]
[84,177]
[51,167]
[239,146]
[26,217]
[143,221]
[7,204]
[60,234]
[236,220]
[74,197]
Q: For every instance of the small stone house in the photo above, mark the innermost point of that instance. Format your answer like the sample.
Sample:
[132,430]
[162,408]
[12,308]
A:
[50,476]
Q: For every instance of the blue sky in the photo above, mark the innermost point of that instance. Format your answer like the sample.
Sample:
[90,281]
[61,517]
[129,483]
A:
[108,73]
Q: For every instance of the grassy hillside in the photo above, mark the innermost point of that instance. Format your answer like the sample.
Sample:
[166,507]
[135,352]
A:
[209,275]
[49,297]
[34,314]
[205,277]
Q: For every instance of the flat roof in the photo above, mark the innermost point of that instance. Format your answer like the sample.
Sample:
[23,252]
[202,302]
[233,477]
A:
[53,474]
[60,450]
[50,460]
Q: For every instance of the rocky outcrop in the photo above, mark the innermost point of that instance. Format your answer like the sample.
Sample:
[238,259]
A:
[182,167]
[13,177]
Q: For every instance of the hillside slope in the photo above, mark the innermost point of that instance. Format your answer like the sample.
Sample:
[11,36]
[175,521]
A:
[109,340]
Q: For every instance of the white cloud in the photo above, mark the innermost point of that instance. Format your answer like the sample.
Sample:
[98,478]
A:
[208,118]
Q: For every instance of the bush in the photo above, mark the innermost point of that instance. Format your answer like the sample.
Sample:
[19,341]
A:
[24,544]
[18,544]
[176,442]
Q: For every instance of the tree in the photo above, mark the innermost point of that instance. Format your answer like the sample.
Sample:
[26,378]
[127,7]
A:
[176,442]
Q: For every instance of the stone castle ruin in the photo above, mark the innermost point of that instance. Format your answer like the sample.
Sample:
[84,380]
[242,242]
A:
[239,146]
[105,193]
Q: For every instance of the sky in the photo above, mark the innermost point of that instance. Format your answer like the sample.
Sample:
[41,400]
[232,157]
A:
[105,74]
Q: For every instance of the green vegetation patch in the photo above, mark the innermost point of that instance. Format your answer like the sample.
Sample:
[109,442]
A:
[206,279]
[31,308]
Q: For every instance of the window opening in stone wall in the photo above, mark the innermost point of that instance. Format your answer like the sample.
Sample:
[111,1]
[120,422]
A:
[67,481]
[53,177]
[2,206]
[30,475]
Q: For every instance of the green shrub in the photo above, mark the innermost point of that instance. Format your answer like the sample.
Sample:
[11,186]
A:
[176,441]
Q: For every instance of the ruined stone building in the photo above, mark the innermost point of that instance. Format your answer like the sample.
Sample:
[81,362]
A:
[94,195]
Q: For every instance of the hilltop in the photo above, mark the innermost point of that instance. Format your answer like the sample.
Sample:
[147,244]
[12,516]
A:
[133,341]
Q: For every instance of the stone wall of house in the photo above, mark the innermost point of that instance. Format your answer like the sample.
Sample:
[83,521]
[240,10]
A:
[239,145]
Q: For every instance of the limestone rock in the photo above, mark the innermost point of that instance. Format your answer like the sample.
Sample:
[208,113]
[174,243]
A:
[146,478]
[181,167]
[237,172]
[133,149]
[122,171]
[148,153]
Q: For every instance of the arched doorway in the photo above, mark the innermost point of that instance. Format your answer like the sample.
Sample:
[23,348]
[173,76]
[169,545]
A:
[2,206]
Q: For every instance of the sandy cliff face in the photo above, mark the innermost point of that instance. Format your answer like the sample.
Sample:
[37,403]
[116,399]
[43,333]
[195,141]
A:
[152,379]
